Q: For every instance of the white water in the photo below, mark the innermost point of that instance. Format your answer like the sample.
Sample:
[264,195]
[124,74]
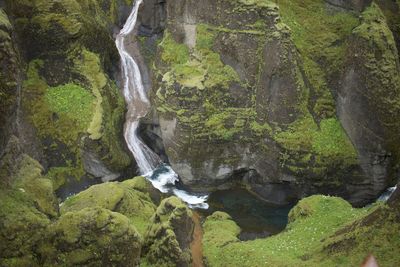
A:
[150,165]
[387,194]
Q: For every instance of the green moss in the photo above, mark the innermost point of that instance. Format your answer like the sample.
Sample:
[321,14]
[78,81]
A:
[22,228]
[29,179]
[119,197]
[40,99]
[219,230]
[106,196]
[259,3]
[167,243]
[201,68]
[261,129]
[319,35]
[90,67]
[72,101]
[4,22]
[173,52]
[312,220]
[328,143]
[91,236]
[71,26]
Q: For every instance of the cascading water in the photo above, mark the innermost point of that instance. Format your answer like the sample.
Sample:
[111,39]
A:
[150,165]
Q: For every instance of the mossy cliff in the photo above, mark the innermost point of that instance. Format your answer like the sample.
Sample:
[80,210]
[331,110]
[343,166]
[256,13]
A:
[105,225]
[322,231]
[250,91]
[10,68]
[371,85]
[71,109]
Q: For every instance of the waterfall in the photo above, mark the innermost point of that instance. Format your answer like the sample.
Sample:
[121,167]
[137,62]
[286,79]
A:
[136,99]
[150,165]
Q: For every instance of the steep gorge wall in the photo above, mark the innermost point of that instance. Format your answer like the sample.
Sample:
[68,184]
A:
[243,93]
[71,112]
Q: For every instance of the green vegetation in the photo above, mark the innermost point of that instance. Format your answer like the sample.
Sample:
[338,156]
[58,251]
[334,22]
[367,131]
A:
[204,80]
[319,35]
[62,112]
[91,69]
[328,143]
[312,221]
[118,197]
[72,101]
[199,69]
[169,235]
[91,236]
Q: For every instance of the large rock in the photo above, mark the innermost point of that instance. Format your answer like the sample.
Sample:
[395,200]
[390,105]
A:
[167,241]
[122,197]
[91,237]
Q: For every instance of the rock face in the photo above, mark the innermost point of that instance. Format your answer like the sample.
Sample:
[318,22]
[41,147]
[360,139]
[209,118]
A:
[94,237]
[167,241]
[357,5]
[371,85]
[71,112]
[10,68]
[123,198]
[242,93]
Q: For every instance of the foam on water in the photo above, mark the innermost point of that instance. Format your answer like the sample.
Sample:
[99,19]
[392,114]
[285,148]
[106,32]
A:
[386,195]
[192,200]
[164,179]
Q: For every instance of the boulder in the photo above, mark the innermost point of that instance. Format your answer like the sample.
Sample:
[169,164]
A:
[167,240]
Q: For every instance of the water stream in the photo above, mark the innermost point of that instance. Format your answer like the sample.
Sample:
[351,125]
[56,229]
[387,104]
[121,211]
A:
[150,165]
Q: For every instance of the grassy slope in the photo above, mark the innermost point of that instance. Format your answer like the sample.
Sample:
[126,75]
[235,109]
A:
[306,241]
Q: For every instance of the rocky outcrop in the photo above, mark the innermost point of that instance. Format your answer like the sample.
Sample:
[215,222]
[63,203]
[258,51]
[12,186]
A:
[357,5]
[240,96]
[168,238]
[71,110]
[122,197]
[371,85]
[92,236]
[9,80]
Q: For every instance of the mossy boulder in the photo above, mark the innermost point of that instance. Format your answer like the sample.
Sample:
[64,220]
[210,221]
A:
[219,230]
[18,171]
[167,240]
[93,237]
[22,227]
[118,197]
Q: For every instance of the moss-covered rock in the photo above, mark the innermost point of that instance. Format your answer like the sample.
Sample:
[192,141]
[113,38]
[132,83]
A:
[267,114]
[118,197]
[91,236]
[22,227]
[69,95]
[371,85]
[18,171]
[9,64]
[167,241]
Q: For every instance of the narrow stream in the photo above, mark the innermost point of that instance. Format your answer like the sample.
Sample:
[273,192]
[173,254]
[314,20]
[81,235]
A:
[150,165]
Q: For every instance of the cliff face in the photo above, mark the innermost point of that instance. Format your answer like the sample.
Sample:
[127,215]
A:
[254,91]
[71,112]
